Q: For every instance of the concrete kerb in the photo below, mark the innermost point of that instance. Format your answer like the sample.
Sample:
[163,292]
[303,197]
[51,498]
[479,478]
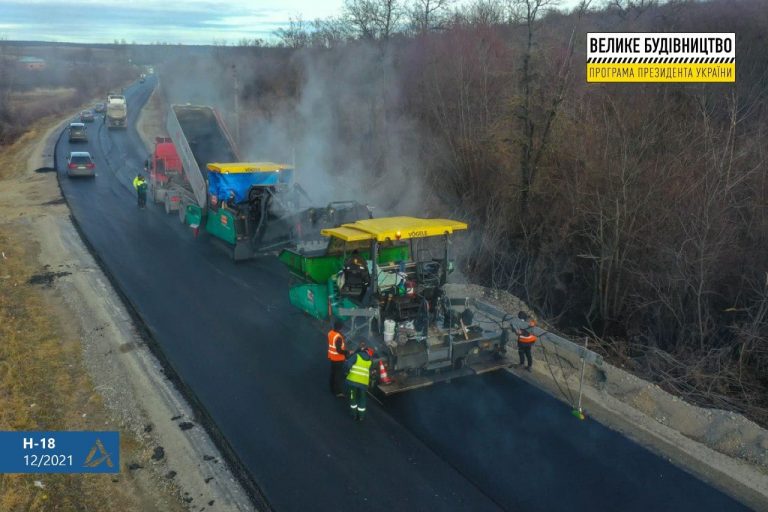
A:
[256,495]
[561,380]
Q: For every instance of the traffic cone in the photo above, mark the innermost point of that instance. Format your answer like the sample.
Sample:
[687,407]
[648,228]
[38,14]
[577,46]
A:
[383,377]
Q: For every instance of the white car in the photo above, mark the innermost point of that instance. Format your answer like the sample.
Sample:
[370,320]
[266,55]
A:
[80,163]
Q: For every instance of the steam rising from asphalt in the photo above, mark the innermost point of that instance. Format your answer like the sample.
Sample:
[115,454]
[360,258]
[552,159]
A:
[347,132]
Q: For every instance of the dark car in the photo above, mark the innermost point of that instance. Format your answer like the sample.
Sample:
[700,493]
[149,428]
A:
[100,108]
[80,163]
[77,132]
[87,116]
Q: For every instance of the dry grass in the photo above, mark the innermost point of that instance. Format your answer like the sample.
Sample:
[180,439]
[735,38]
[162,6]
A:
[46,96]
[43,387]
[13,157]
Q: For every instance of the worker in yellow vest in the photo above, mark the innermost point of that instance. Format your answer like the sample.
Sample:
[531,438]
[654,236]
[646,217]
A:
[140,184]
[358,380]
[337,354]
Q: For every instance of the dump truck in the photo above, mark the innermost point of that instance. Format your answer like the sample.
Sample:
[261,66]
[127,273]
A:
[117,111]
[386,278]
[250,208]
[166,179]
[198,136]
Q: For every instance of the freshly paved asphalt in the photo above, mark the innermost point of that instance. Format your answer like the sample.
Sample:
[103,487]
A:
[258,368]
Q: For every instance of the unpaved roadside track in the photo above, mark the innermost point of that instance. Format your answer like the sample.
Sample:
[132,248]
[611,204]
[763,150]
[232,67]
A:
[110,380]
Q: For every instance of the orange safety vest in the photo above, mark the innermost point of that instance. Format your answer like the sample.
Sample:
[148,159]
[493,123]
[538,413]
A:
[529,340]
[332,354]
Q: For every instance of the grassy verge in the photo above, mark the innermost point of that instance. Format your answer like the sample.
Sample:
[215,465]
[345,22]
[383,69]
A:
[42,386]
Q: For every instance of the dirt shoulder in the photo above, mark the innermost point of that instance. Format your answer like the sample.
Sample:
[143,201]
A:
[72,359]
[722,448]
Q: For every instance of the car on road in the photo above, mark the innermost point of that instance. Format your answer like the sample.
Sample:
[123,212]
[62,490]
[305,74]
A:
[78,132]
[80,163]
[87,116]
[100,108]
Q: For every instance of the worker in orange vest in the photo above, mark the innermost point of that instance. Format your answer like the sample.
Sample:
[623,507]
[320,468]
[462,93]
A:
[525,341]
[337,354]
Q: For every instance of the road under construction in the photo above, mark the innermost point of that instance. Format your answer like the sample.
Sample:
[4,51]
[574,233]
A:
[255,369]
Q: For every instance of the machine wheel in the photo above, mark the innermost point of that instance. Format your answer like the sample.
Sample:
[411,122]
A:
[167,204]
[182,213]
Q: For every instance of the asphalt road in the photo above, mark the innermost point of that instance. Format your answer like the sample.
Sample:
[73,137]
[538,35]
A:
[258,368]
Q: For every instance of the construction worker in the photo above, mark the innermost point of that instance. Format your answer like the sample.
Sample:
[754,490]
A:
[141,190]
[356,275]
[337,354]
[231,201]
[358,379]
[522,315]
[525,341]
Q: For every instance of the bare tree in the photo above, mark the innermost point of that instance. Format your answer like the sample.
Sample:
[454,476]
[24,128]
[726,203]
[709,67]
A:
[374,19]
[390,14]
[537,129]
[362,17]
[251,43]
[295,35]
[425,15]
[487,12]
[633,7]
[330,32]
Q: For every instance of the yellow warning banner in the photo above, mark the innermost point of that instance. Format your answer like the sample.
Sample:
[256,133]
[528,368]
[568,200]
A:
[651,72]
[661,57]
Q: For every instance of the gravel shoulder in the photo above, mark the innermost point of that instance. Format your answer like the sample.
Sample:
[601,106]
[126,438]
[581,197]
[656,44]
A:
[167,465]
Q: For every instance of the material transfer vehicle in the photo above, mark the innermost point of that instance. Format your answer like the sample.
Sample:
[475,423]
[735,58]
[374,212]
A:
[254,208]
[250,208]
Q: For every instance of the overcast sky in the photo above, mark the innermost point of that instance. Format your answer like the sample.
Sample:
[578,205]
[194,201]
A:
[150,21]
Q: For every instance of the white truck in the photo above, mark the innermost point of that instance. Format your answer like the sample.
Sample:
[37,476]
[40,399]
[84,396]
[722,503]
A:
[117,111]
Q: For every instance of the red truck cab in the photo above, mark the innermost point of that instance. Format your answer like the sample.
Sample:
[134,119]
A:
[164,163]
[166,179]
